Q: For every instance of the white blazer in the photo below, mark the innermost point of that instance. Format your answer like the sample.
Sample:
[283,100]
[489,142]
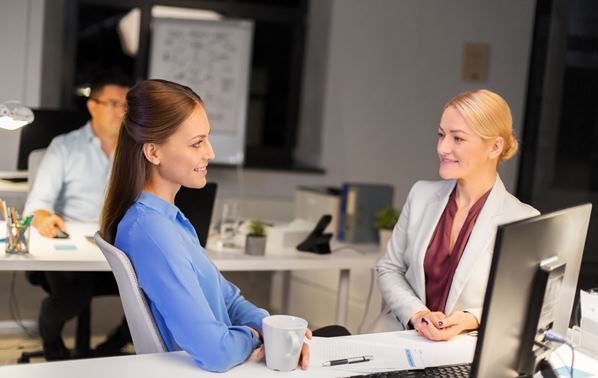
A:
[401,270]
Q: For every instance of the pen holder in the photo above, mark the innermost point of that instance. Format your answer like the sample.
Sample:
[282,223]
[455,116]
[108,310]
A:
[17,238]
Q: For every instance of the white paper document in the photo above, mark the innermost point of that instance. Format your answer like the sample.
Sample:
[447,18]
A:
[589,322]
[589,305]
[386,356]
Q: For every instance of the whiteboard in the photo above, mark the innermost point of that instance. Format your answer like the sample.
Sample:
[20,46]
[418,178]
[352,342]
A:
[213,59]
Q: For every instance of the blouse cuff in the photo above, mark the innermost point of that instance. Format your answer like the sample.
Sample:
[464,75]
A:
[256,323]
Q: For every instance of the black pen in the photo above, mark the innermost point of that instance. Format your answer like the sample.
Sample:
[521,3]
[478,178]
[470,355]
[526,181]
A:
[350,360]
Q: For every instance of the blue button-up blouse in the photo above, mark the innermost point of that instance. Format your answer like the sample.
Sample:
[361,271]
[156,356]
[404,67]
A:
[194,306]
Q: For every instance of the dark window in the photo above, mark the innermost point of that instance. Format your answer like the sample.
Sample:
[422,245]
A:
[92,43]
[98,45]
[559,161]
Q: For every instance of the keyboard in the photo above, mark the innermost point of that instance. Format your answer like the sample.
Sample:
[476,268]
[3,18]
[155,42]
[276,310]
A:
[448,371]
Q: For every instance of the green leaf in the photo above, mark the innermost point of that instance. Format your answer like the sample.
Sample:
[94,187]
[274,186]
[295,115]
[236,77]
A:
[387,218]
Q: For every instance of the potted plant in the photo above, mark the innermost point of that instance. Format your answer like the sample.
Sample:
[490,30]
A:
[385,222]
[255,242]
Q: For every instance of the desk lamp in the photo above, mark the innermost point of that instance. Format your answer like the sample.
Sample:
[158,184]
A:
[13,115]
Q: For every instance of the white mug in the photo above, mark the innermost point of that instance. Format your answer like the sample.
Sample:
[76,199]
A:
[283,340]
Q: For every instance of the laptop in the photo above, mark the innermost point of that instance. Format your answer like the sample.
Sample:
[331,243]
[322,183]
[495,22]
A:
[197,205]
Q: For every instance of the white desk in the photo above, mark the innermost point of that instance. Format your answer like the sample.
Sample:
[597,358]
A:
[8,186]
[181,365]
[85,256]
[14,193]
[561,361]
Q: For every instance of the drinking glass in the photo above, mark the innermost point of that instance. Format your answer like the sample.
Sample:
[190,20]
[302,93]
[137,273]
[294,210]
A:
[229,223]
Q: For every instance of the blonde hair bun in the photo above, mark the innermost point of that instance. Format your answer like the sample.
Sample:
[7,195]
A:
[510,148]
[489,116]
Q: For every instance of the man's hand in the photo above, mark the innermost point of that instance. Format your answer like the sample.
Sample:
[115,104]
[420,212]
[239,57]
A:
[47,223]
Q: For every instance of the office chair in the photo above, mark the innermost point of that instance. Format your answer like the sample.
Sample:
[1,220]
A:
[144,331]
[33,161]
[83,331]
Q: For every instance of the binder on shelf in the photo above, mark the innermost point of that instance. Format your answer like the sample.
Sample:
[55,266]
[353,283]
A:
[314,201]
[359,205]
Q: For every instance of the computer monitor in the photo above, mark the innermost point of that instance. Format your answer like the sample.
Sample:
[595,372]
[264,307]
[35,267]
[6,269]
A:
[514,297]
[197,205]
[47,124]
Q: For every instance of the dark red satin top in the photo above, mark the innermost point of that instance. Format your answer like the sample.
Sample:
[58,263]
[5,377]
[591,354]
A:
[440,263]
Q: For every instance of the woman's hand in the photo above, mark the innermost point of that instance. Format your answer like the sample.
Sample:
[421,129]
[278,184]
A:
[255,332]
[448,327]
[416,319]
[435,317]
[303,357]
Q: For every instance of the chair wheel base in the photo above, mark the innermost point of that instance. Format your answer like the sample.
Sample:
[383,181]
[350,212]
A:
[26,356]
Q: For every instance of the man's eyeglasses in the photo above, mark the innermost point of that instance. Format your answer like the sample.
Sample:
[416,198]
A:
[111,104]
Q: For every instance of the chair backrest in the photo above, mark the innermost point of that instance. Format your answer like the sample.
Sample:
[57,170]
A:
[33,161]
[145,333]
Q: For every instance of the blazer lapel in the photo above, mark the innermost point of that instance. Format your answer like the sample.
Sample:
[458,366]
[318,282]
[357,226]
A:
[433,211]
[479,239]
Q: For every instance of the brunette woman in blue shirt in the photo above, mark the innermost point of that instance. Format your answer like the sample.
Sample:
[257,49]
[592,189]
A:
[163,145]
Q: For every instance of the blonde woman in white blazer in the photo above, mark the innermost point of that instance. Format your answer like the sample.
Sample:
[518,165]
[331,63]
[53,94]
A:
[474,136]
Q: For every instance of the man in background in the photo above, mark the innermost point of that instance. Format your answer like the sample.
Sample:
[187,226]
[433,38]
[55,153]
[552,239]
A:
[70,185]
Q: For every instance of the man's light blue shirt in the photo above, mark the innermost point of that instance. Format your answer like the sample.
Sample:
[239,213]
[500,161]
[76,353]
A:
[72,177]
[195,307]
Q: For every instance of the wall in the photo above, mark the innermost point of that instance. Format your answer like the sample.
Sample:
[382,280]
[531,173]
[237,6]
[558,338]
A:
[390,67]
[21,27]
[380,71]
